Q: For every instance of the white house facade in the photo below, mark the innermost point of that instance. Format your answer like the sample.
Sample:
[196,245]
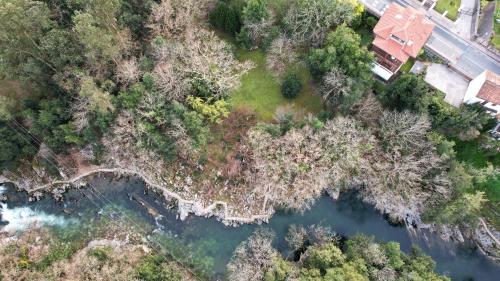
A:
[485,89]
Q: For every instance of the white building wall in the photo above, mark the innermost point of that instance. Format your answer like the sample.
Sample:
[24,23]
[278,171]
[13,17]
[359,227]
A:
[495,107]
[474,87]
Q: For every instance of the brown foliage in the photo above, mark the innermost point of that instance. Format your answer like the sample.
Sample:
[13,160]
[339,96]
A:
[233,130]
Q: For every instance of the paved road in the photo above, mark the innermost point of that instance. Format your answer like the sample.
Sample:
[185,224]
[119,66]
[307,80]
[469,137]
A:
[466,57]
[486,22]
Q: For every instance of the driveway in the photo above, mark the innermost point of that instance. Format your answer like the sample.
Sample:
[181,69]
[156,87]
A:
[447,81]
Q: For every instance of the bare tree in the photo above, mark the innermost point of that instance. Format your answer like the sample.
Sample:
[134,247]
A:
[174,18]
[369,111]
[169,82]
[79,110]
[280,55]
[127,71]
[258,30]
[404,131]
[334,86]
[309,21]
[253,257]
[405,172]
[296,237]
[319,234]
[201,55]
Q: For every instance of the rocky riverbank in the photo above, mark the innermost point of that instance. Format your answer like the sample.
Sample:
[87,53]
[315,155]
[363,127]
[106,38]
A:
[483,236]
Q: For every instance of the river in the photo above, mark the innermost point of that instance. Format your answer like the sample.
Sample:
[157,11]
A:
[209,242]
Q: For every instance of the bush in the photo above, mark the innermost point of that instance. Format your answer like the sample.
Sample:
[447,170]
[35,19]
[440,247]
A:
[226,18]
[155,268]
[291,86]
[100,253]
[371,22]
[244,40]
[409,92]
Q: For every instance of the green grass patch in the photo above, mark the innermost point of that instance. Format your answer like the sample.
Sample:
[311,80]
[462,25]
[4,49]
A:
[471,152]
[448,5]
[405,68]
[261,92]
[495,40]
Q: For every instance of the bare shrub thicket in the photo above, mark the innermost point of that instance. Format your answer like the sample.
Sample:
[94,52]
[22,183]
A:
[293,170]
[300,237]
[406,171]
[118,264]
[280,55]
[253,257]
[115,260]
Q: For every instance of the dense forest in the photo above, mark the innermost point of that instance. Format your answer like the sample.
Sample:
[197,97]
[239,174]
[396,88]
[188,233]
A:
[261,104]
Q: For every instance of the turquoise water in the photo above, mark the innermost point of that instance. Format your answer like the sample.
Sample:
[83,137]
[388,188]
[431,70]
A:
[209,244]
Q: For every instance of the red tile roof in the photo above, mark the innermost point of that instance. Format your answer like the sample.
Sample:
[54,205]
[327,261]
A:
[490,90]
[407,24]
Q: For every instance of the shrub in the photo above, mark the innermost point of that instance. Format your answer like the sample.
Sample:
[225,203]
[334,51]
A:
[214,112]
[244,40]
[100,253]
[371,22]
[226,18]
[155,268]
[291,86]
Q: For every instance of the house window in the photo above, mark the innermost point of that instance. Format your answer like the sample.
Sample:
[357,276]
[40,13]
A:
[397,39]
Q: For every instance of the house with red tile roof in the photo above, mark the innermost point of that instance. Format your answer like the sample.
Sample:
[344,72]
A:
[400,34]
[485,89]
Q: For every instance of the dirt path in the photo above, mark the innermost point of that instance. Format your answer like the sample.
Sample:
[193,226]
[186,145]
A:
[185,207]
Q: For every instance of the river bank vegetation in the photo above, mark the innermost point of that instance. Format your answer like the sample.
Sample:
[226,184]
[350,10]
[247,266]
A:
[316,254]
[113,254]
[260,104]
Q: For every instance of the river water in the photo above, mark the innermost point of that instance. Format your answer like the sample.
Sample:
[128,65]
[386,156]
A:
[208,242]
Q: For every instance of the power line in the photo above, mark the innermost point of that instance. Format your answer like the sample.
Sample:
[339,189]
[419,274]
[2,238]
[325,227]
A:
[99,196]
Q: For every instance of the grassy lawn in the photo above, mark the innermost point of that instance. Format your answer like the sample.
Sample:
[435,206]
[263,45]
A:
[448,5]
[261,92]
[407,66]
[495,40]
